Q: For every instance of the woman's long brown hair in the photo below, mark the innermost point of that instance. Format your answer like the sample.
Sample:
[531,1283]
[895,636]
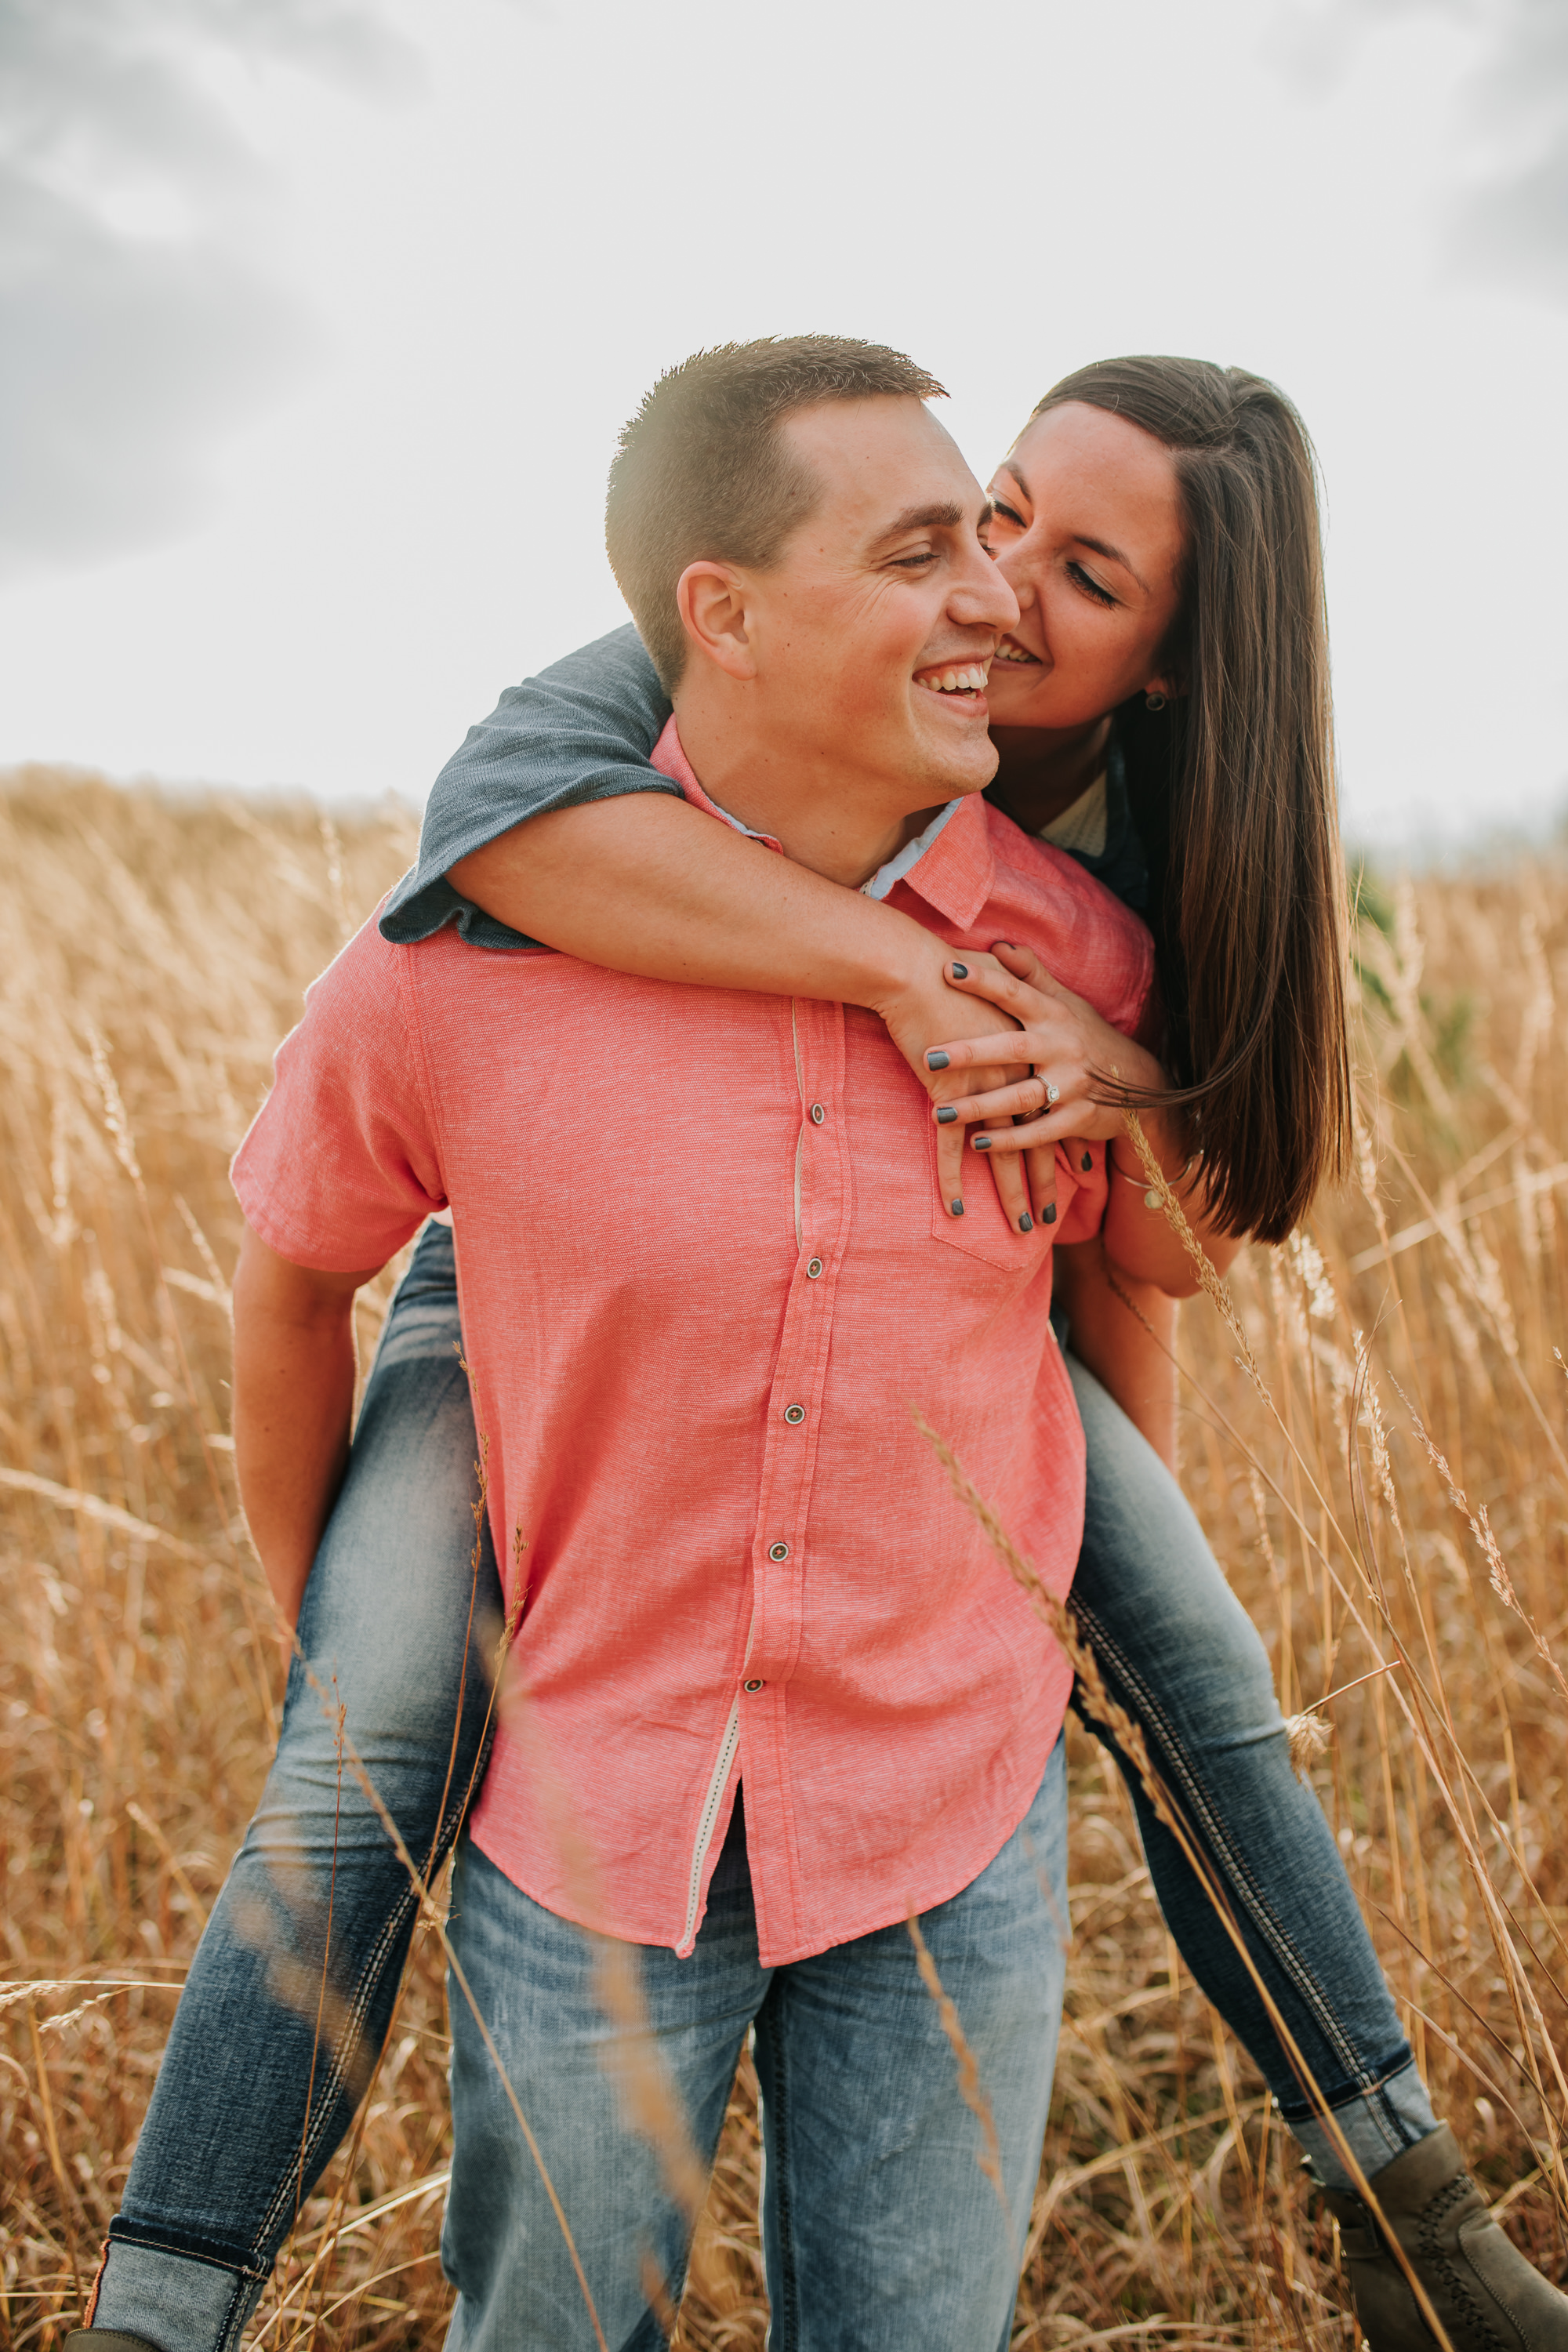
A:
[1233,792]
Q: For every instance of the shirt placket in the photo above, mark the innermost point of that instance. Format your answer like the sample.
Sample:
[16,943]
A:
[781,1551]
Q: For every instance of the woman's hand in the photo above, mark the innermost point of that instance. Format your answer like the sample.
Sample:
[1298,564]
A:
[1076,1058]
[926,1008]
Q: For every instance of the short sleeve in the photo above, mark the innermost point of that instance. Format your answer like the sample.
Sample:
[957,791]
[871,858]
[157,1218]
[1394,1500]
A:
[580,730]
[340,1166]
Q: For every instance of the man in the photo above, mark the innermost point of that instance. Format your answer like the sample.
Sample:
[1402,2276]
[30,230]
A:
[706,1286]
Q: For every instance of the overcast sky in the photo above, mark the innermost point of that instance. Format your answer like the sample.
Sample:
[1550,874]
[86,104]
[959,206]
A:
[317,318]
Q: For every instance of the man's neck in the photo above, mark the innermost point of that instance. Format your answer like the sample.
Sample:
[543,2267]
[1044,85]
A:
[820,817]
[1042,771]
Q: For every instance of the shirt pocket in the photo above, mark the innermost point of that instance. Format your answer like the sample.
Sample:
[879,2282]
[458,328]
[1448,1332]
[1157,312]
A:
[983,1230]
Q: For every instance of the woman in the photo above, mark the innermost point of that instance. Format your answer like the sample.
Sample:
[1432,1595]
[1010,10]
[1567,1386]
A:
[1162,714]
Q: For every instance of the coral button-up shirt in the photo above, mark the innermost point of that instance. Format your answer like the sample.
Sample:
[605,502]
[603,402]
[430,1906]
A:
[699,1340]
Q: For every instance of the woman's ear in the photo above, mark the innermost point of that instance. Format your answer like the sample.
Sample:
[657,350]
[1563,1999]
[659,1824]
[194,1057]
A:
[712,601]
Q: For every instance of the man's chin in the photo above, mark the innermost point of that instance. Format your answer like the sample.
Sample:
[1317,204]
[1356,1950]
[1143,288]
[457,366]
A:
[959,758]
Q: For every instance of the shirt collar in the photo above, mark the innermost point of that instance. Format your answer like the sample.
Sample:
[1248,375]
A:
[950,865]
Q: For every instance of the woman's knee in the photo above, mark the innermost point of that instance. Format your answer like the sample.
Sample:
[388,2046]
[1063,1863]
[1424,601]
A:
[1149,1592]
[402,1555]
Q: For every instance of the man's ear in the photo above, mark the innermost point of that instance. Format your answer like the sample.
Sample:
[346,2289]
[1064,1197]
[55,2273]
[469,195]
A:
[711,599]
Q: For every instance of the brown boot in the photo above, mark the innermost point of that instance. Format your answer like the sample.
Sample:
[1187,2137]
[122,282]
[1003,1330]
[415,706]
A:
[1489,2298]
[106,2339]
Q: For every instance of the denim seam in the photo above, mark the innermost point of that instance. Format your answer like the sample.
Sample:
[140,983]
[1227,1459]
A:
[348,2039]
[241,2306]
[787,2304]
[1234,1864]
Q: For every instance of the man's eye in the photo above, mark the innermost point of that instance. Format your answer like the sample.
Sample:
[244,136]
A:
[914,562]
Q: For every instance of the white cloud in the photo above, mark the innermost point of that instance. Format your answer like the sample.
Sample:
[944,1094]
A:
[496,274]
[1505,223]
[139,320]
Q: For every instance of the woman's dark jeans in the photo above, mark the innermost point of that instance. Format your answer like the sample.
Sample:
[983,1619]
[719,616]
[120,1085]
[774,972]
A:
[249,2104]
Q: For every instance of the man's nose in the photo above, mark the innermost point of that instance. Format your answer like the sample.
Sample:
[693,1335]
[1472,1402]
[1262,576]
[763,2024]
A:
[982,598]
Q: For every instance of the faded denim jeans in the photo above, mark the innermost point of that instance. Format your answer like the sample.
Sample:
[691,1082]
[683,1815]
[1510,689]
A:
[880,2231]
[236,2132]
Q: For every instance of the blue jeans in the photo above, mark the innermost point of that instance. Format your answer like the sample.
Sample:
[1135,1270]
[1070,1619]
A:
[1178,1651]
[238,2129]
[880,2231]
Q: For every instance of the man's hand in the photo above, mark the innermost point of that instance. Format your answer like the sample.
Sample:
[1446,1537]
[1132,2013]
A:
[293,1401]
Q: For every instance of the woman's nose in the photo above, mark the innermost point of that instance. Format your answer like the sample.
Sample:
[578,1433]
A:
[1017,577]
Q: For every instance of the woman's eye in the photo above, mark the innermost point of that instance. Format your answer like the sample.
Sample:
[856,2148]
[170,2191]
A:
[1089,585]
[1002,512]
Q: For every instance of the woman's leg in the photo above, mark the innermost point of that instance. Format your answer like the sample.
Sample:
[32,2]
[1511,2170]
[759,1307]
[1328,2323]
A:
[291,1990]
[1181,1654]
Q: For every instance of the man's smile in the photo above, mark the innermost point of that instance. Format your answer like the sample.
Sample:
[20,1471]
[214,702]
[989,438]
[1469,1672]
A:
[966,681]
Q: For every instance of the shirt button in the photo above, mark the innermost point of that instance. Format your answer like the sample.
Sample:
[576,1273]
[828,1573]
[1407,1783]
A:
[776,1552]
[753,1687]
[817,1114]
[795,1412]
[813,1269]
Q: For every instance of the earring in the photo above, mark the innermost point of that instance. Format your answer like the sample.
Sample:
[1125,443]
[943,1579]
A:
[1153,702]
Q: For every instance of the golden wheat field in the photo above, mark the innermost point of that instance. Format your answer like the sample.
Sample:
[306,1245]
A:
[1378,1448]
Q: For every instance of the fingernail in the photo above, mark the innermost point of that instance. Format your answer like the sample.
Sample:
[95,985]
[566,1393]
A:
[1026,1224]
[1087,1162]
[982,1143]
[1048,1216]
[957,1208]
[946,1115]
[961,971]
[937,1061]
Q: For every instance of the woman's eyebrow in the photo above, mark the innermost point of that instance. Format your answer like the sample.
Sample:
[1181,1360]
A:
[1114,554]
[1081,538]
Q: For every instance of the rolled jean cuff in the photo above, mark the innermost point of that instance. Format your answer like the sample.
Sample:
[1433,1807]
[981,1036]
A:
[1376,2126]
[182,2302]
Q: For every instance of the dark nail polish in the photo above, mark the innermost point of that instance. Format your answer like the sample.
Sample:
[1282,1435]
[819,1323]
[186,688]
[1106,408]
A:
[1026,1224]
[1048,1216]
[957,1207]
[1087,1162]
[937,1061]
[946,1115]
[982,1143]
[961,971]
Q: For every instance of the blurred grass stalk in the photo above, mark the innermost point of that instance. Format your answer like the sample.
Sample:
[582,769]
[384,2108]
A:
[1387,1485]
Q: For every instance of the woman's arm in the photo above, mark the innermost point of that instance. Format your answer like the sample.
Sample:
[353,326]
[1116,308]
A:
[655,888]
[1133,1358]
[615,869]
[581,730]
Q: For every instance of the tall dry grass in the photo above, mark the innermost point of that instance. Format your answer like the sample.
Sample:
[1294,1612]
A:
[1388,1487]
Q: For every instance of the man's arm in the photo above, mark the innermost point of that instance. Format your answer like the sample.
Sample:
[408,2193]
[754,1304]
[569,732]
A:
[1125,1355]
[293,1403]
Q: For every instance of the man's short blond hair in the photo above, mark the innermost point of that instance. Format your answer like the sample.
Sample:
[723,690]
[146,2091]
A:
[702,472]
